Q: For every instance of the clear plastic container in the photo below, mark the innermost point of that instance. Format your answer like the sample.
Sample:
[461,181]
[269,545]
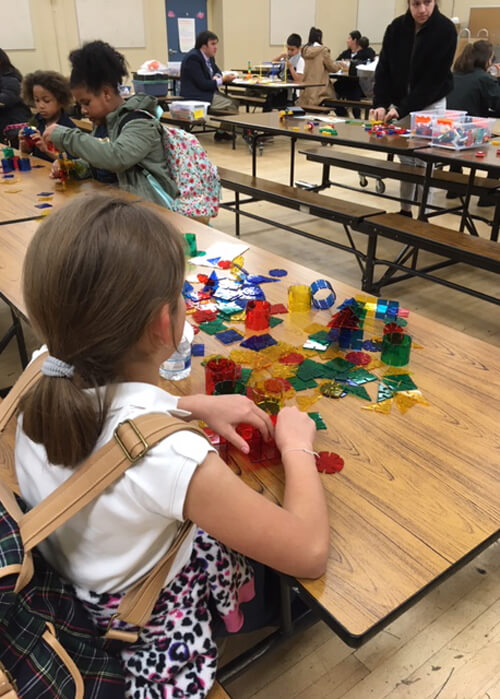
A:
[421,122]
[178,365]
[460,133]
[189,110]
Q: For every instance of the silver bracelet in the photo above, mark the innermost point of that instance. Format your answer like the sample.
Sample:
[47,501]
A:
[306,451]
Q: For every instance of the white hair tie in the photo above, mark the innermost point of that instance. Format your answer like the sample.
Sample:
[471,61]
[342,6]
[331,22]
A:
[57,369]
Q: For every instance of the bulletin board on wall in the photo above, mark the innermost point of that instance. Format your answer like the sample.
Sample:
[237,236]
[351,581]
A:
[486,18]
[374,17]
[119,22]
[291,16]
[16,28]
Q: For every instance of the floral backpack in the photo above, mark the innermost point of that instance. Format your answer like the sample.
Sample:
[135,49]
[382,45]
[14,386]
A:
[189,166]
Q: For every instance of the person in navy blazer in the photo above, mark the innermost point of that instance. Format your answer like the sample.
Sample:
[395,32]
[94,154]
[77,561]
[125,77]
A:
[201,78]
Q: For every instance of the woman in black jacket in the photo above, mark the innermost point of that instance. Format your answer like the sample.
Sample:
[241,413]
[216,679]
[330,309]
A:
[12,108]
[414,70]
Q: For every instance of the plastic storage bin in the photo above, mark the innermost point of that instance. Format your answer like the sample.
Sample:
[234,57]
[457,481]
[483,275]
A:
[189,110]
[156,88]
[421,122]
[460,133]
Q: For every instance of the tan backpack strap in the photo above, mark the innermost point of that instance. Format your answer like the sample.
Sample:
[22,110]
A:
[26,570]
[30,376]
[137,605]
[132,440]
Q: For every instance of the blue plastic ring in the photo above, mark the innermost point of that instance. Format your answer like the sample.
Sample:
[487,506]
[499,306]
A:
[327,302]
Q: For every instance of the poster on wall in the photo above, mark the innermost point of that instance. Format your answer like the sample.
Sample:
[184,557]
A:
[16,28]
[119,22]
[290,16]
[187,33]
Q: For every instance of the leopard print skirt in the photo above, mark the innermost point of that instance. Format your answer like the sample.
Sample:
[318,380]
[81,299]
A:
[176,655]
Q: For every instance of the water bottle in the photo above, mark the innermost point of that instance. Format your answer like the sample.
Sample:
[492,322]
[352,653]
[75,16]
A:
[178,365]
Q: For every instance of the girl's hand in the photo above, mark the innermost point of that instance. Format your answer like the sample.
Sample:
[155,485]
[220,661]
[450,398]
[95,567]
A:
[378,114]
[294,430]
[47,134]
[224,413]
[55,171]
[39,142]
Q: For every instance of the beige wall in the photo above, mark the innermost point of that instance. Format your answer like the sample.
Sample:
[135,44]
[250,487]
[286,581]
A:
[243,28]
[55,29]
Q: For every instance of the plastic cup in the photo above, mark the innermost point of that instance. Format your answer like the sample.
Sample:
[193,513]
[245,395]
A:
[299,298]
[396,349]
[258,314]
[219,371]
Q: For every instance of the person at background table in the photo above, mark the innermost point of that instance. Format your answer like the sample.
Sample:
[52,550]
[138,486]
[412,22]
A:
[126,145]
[102,281]
[414,72]
[356,54]
[12,108]
[201,78]
[291,70]
[318,64]
[292,60]
[49,92]
[475,91]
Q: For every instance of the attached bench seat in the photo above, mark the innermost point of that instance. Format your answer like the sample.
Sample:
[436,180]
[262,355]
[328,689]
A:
[295,198]
[459,247]
[218,692]
[398,171]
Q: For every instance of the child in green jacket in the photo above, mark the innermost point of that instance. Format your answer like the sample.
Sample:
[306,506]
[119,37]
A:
[126,145]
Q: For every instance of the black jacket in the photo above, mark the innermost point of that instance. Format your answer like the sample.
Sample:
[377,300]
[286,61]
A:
[362,56]
[414,70]
[196,81]
[12,108]
[477,93]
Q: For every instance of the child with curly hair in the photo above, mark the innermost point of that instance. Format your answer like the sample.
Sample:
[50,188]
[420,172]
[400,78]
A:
[49,92]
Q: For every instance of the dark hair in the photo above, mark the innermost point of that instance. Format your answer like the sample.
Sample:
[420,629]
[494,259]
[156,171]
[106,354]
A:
[364,42]
[476,55]
[355,35]
[204,37]
[315,36]
[294,40]
[79,270]
[53,82]
[7,67]
[95,65]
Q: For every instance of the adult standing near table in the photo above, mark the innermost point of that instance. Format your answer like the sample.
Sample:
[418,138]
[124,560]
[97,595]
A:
[12,108]
[201,78]
[414,71]
[318,66]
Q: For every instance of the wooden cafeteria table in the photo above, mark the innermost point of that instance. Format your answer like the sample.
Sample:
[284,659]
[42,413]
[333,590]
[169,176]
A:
[19,195]
[15,236]
[353,135]
[419,494]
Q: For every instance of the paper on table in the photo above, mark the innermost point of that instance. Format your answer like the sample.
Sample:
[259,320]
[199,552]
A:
[315,117]
[219,251]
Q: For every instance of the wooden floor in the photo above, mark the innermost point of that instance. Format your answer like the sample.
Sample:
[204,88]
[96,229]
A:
[448,645]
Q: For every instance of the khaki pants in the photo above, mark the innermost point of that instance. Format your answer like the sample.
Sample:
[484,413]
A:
[224,103]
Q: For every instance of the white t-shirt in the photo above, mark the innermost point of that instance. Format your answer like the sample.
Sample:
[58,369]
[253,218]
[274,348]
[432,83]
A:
[116,539]
[298,63]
